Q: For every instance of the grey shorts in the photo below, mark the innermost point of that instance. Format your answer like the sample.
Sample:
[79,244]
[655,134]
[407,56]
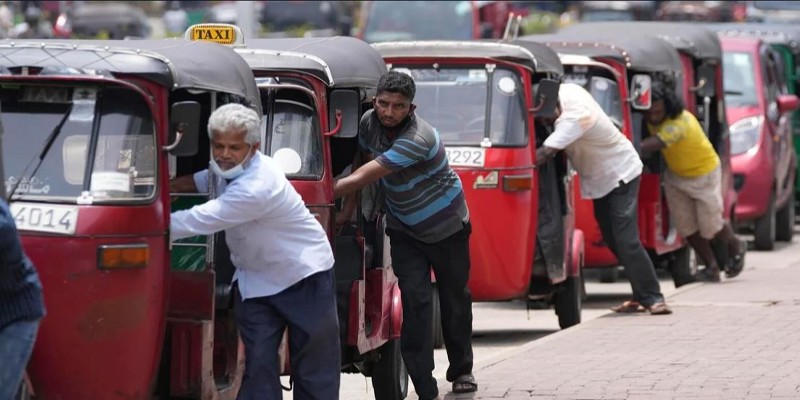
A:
[695,204]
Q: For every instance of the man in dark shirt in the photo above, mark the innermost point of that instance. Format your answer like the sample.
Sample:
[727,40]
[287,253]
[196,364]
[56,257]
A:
[428,223]
[21,305]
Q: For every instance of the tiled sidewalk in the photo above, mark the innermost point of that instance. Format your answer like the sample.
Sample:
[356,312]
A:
[739,339]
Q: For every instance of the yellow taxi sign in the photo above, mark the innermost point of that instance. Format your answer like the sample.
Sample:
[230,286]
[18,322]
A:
[226,34]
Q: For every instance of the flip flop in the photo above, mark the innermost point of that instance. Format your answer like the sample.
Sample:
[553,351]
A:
[628,307]
[659,309]
[465,384]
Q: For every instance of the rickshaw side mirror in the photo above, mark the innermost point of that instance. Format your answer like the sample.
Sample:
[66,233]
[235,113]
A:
[184,121]
[641,92]
[787,103]
[546,98]
[706,81]
[348,104]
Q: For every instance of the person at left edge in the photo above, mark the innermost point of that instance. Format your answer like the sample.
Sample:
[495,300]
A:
[282,256]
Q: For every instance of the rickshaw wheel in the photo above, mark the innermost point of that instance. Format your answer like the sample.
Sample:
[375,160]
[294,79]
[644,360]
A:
[681,268]
[784,229]
[438,334]
[389,375]
[765,228]
[567,302]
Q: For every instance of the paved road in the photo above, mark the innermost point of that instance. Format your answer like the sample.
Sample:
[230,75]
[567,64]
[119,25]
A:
[739,339]
[501,328]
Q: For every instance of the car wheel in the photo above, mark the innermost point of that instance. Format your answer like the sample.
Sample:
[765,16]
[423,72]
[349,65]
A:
[568,302]
[682,267]
[389,375]
[438,334]
[765,228]
[784,229]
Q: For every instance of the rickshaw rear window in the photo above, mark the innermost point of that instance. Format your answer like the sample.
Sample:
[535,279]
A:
[123,159]
[454,102]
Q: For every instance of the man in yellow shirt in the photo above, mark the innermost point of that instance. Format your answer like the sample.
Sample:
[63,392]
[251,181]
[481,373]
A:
[692,181]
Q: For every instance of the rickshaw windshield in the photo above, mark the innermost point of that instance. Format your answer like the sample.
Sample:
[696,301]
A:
[292,133]
[117,164]
[418,20]
[604,90]
[454,102]
[739,79]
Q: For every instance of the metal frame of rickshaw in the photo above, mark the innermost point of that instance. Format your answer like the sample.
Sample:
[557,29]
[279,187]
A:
[624,58]
[368,290]
[505,217]
[785,39]
[82,349]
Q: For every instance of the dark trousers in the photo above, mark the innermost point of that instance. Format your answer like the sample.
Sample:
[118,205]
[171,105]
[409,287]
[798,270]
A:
[412,261]
[617,215]
[308,309]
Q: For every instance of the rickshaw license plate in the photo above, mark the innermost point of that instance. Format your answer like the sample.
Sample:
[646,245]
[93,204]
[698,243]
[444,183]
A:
[466,156]
[45,217]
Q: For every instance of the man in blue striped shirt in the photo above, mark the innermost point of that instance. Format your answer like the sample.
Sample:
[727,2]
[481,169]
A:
[428,223]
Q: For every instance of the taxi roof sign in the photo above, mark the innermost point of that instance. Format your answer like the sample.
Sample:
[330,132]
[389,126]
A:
[225,34]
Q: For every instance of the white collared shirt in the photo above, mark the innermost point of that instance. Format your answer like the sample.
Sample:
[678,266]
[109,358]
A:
[600,153]
[274,240]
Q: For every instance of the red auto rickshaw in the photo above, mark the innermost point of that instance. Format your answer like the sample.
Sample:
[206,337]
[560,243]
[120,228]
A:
[480,97]
[614,71]
[97,129]
[314,92]
[701,85]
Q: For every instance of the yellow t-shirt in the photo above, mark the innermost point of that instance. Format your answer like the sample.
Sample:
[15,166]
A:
[688,151]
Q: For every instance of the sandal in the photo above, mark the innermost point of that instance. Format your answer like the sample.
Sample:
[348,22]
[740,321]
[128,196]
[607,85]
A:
[659,309]
[628,307]
[465,384]
[736,265]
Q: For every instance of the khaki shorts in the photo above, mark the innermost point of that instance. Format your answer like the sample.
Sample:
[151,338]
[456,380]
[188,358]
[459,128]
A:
[695,204]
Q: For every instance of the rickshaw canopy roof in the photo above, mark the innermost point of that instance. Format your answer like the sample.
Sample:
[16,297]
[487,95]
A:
[785,34]
[534,56]
[639,53]
[338,61]
[174,63]
[693,39]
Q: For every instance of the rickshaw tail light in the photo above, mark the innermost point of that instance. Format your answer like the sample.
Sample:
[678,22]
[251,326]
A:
[517,183]
[123,256]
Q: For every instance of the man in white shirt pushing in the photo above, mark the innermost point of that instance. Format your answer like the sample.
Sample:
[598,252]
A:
[609,168]
[282,256]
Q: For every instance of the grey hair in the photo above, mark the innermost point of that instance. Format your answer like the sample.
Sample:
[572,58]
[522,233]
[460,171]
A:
[235,117]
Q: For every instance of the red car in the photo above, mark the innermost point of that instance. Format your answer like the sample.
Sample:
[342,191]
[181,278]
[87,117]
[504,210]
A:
[759,111]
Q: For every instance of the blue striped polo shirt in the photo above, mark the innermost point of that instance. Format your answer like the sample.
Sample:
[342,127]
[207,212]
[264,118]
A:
[423,195]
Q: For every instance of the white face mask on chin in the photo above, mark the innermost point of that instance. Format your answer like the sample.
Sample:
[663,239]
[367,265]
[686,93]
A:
[232,173]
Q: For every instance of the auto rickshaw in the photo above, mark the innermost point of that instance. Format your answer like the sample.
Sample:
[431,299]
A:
[785,40]
[480,97]
[97,130]
[614,72]
[314,92]
[701,86]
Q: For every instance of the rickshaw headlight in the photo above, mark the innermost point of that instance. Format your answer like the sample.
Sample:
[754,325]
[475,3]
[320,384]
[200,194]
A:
[745,134]
[123,256]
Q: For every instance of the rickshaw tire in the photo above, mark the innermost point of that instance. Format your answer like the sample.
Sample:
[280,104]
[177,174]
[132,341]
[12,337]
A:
[436,305]
[784,227]
[680,267]
[389,374]
[567,302]
[609,275]
[765,230]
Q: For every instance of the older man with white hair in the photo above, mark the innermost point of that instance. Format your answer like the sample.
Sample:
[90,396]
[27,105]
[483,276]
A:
[282,257]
